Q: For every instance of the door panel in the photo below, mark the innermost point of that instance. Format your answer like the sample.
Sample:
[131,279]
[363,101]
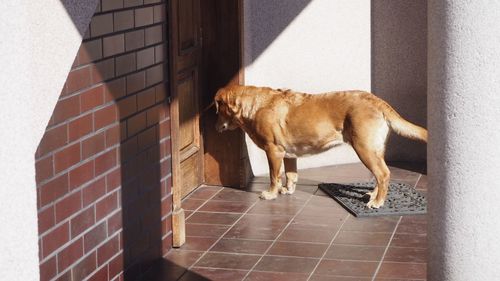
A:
[190,168]
[188,105]
[188,24]
[185,67]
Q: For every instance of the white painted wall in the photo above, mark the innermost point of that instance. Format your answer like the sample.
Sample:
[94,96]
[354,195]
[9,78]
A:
[39,42]
[311,46]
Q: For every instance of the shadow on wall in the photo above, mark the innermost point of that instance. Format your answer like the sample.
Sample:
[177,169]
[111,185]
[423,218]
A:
[399,67]
[265,31]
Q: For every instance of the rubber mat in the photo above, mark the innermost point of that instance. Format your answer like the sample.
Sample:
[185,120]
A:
[402,199]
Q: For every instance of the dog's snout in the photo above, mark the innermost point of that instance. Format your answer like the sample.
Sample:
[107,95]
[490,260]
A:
[221,127]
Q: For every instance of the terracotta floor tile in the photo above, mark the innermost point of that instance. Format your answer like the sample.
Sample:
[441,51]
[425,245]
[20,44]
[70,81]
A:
[321,211]
[409,240]
[250,232]
[346,268]
[273,208]
[350,172]
[276,276]
[204,192]
[422,183]
[306,250]
[401,175]
[416,219]
[165,269]
[376,224]
[299,234]
[205,230]
[286,264]
[191,203]
[265,220]
[302,193]
[332,221]
[309,189]
[257,186]
[183,258]
[226,206]
[398,279]
[241,246]
[320,193]
[213,218]
[229,194]
[205,274]
[318,277]
[402,270]
[198,243]
[262,227]
[412,225]
[362,238]
[229,261]
[322,201]
[352,252]
[396,254]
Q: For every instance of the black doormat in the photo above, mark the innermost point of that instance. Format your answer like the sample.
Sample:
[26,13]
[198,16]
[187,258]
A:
[402,199]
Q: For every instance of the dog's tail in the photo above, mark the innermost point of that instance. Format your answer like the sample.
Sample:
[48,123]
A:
[401,126]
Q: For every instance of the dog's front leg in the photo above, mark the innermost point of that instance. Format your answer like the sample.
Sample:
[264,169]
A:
[291,175]
[274,158]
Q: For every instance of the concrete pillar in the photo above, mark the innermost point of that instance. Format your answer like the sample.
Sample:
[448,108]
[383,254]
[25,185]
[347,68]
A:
[464,145]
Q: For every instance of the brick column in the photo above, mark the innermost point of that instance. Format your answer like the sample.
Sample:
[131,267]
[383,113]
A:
[103,165]
[464,144]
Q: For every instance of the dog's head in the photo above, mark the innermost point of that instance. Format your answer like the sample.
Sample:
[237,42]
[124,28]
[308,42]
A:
[228,106]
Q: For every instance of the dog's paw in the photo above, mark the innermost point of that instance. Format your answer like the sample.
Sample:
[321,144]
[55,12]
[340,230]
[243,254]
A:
[285,190]
[372,196]
[266,195]
[375,204]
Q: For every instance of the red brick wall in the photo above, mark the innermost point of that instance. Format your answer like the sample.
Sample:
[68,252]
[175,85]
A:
[103,167]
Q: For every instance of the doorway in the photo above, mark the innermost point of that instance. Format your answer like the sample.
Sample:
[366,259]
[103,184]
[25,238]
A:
[205,54]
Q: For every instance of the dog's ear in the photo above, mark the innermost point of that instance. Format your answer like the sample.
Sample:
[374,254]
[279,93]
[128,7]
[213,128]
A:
[216,106]
[228,98]
[233,102]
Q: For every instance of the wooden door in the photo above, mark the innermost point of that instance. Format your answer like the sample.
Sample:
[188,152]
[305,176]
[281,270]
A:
[199,65]
[186,59]
[187,148]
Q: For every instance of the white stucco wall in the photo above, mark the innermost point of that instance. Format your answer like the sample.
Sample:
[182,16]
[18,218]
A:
[38,45]
[307,45]
[464,151]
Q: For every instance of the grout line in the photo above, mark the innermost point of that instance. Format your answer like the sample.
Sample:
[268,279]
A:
[206,200]
[416,182]
[386,249]
[326,250]
[279,235]
[222,235]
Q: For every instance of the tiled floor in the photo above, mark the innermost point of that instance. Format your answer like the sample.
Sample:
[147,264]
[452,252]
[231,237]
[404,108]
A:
[233,235]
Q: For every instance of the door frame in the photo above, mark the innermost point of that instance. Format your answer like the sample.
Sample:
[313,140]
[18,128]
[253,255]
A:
[178,217]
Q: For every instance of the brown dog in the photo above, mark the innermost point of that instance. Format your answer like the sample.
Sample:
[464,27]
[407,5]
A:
[287,125]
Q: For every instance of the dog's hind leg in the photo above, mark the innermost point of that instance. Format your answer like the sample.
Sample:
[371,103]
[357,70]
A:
[291,175]
[370,147]
[274,158]
[375,163]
